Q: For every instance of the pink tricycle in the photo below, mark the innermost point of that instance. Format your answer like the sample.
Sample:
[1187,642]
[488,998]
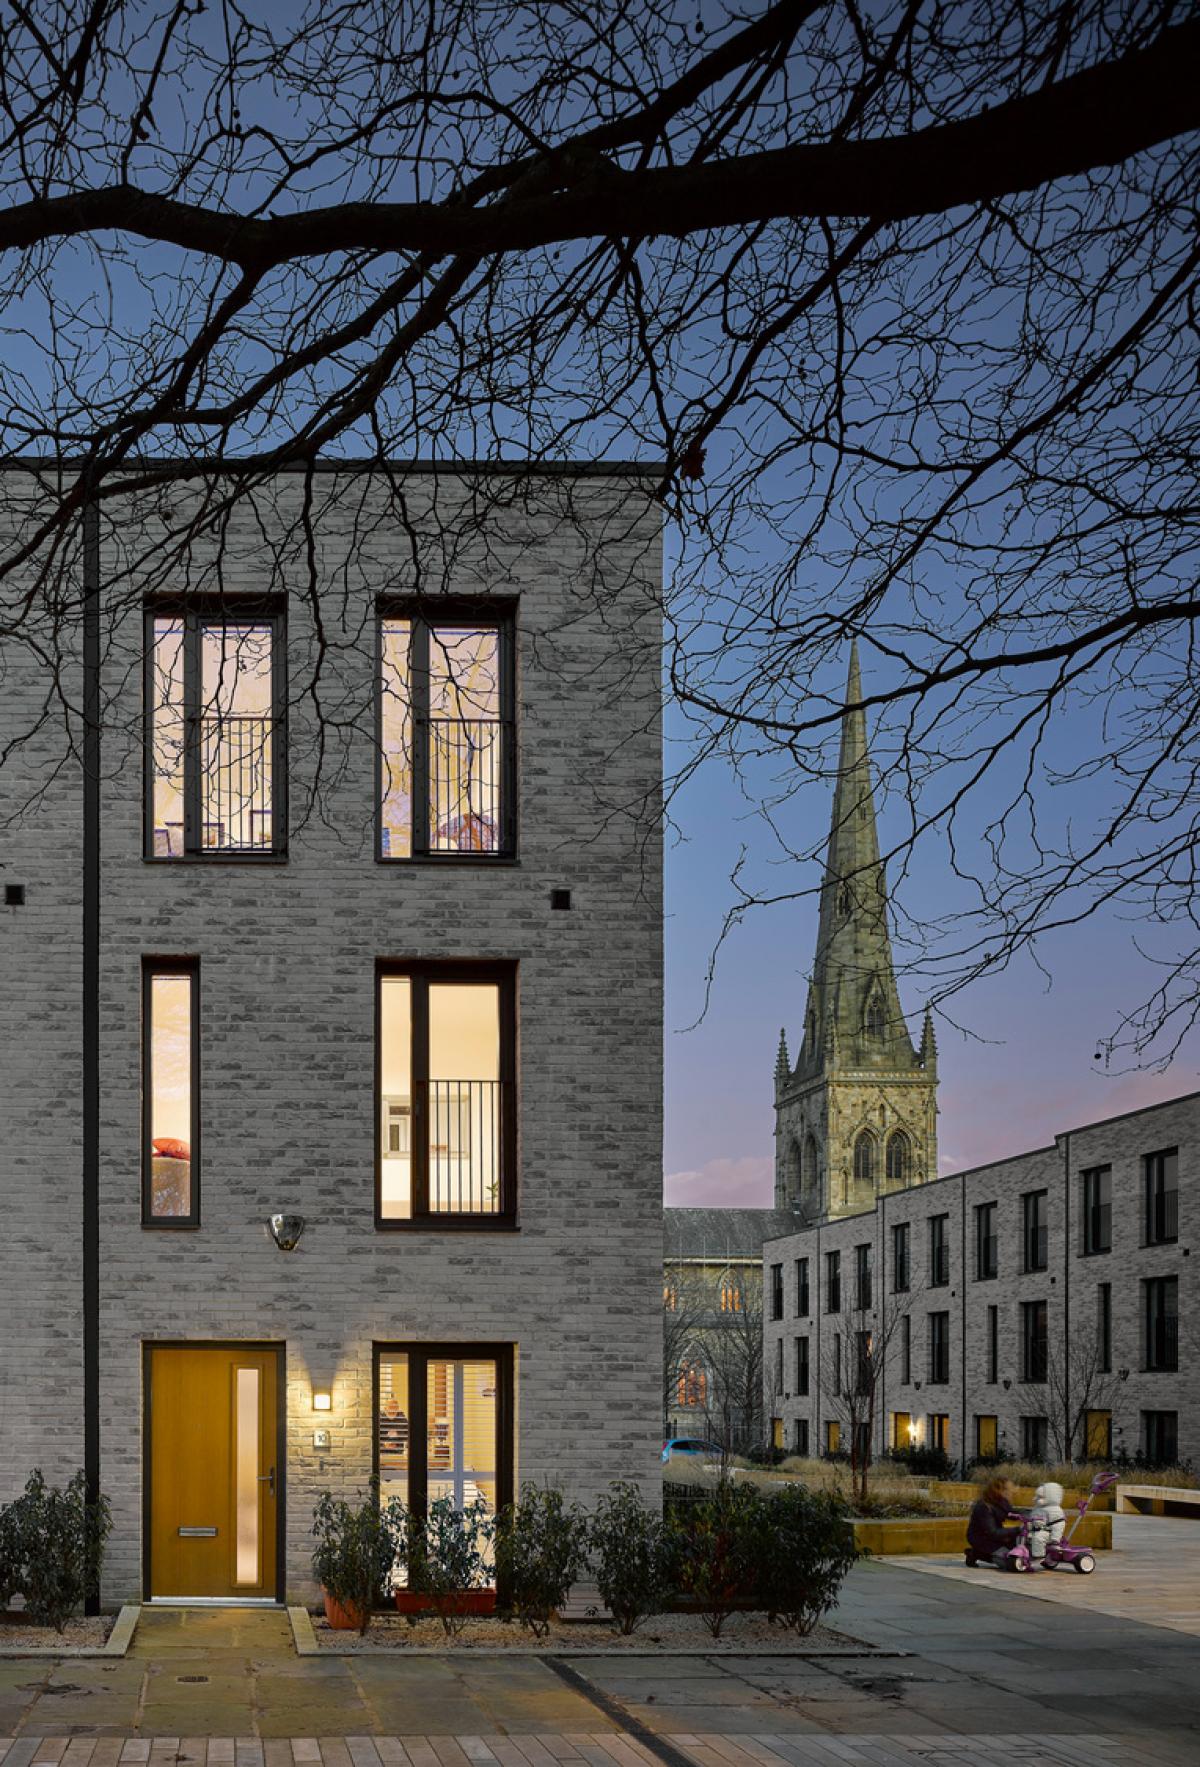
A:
[1040,1542]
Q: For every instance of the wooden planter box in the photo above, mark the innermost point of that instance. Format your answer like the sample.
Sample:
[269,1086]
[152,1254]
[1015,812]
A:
[928,1534]
[466,1601]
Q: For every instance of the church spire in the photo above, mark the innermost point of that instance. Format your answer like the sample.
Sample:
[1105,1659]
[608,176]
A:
[853,999]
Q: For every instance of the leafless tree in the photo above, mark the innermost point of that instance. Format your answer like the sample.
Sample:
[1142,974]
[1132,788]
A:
[853,1378]
[1077,1382]
[902,299]
[734,1350]
[686,1308]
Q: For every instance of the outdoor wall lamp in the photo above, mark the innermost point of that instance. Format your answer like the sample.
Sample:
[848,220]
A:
[1006,1385]
[322,1401]
[285,1230]
[1122,1374]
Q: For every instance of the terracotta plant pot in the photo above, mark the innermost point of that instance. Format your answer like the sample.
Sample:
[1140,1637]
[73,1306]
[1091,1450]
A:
[343,1619]
[465,1601]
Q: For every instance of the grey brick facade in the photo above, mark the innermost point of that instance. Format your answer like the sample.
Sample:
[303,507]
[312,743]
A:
[1068,1285]
[287,955]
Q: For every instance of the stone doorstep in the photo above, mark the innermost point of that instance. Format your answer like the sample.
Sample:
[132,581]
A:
[116,1645]
[305,1640]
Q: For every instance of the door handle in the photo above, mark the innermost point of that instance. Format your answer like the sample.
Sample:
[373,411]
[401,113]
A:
[268,1478]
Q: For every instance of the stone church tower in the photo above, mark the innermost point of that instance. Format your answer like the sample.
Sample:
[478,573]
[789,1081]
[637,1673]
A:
[857,1114]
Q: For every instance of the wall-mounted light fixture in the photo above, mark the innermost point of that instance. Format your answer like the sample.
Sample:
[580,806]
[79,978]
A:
[285,1230]
[322,1401]
[1122,1374]
[1006,1385]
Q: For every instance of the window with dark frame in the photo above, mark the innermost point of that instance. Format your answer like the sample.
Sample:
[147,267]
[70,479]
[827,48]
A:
[776,1291]
[1104,1343]
[446,1107]
[864,1351]
[216,752]
[1161,1180]
[939,1431]
[1160,1437]
[778,1365]
[446,749]
[1160,1311]
[939,1349]
[1033,1230]
[1097,1211]
[1035,1346]
[901,1257]
[170,1092]
[802,1295]
[987,1245]
[837,1364]
[444,1424]
[802,1375]
[862,1276]
[1035,1437]
[800,1437]
[833,1282]
[993,1345]
[905,1351]
[939,1251]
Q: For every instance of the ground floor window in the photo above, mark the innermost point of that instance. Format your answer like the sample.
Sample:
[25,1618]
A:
[833,1436]
[1160,1436]
[902,1430]
[985,1437]
[444,1424]
[777,1432]
[939,1431]
[1034,1437]
[800,1439]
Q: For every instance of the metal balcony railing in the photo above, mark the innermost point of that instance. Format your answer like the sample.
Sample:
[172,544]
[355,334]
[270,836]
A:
[466,785]
[464,1146]
[235,783]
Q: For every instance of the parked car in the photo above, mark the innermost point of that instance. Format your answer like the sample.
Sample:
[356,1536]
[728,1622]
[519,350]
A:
[691,1448]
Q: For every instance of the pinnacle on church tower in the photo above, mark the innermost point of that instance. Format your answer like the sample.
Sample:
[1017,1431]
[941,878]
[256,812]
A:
[857,1115]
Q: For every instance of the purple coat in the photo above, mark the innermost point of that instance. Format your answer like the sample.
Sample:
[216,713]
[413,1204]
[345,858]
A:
[986,1532]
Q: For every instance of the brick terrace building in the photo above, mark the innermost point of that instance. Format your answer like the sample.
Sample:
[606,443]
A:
[417,1014]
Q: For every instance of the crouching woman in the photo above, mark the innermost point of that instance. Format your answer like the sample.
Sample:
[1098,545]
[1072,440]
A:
[992,1525]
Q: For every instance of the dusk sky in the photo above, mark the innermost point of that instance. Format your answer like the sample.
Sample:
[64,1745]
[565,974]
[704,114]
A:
[1026,1073]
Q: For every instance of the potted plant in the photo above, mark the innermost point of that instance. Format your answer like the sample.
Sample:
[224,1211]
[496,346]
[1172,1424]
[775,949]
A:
[448,1558]
[354,1555]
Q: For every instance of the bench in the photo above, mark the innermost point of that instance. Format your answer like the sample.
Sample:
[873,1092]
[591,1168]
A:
[1157,1500]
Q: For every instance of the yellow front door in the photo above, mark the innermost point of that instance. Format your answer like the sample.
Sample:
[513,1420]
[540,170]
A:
[214,1479]
[1099,1435]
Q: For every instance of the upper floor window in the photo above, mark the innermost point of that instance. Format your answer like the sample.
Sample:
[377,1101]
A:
[1097,1210]
[691,1386]
[939,1348]
[875,1017]
[446,760]
[862,1276]
[939,1251]
[170,1092]
[864,1158]
[899,1159]
[901,1257]
[1035,1345]
[446,1105]
[833,1282]
[993,1345]
[1104,1340]
[987,1256]
[731,1294]
[1161,1314]
[1033,1229]
[802,1368]
[1162,1197]
[215,749]
[776,1291]
[802,1297]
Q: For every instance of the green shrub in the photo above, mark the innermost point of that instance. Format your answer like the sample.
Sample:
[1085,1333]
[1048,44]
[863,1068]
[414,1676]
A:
[629,1544]
[355,1550]
[923,1461]
[541,1548]
[714,1549]
[804,1547]
[52,1548]
[447,1554]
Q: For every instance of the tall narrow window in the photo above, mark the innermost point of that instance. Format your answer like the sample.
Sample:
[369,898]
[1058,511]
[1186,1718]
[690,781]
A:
[802,1368]
[905,1350]
[939,1251]
[802,1296]
[833,1282]
[901,1257]
[444,1426]
[1034,1230]
[1162,1197]
[170,1092]
[1160,1437]
[939,1349]
[1035,1436]
[993,1345]
[776,1291]
[446,1108]
[1034,1341]
[1104,1346]
[862,1276]
[864,1158]
[1097,1210]
[215,749]
[446,763]
[1160,1308]
[899,1160]
[987,1258]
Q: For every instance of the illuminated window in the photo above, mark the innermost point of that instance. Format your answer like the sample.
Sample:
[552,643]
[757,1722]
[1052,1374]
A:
[731,1292]
[446,1107]
[170,1092]
[670,1297]
[446,734]
[691,1386]
[215,733]
[443,1426]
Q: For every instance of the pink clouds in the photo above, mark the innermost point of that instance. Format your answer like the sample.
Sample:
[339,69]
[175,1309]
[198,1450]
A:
[746,1183]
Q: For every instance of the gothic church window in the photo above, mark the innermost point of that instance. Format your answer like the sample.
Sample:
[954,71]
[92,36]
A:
[810,1162]
[899,1159]
[864,1158]
[875,1017]
[843,900]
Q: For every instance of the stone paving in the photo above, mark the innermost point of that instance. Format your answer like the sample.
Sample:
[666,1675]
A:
[1152,1575]
[956,1671]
